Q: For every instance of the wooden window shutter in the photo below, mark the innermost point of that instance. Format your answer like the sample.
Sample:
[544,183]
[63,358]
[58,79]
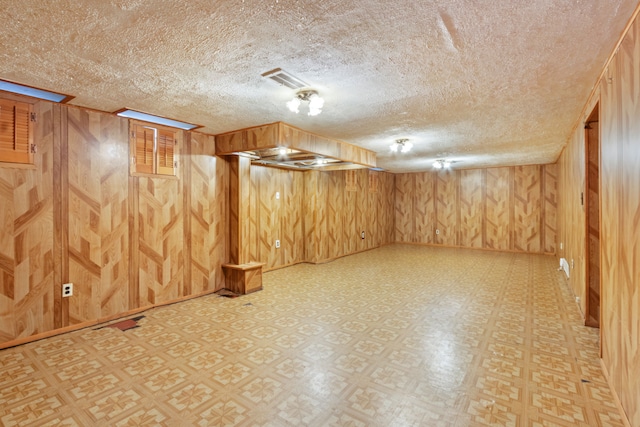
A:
[144,141]
[16,132]
[166,152]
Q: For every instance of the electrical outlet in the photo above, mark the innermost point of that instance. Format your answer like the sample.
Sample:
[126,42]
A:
[560,245]
[572,264]
[67,290]
[277,195]
[437,231]
[277,244]
[362,235]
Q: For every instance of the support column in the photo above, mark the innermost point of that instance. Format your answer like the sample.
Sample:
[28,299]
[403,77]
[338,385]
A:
[242,274]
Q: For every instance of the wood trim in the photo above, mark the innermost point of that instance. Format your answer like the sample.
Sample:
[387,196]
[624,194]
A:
[186,207]
[58,237]
[512,208]
[134,243]
[64,214]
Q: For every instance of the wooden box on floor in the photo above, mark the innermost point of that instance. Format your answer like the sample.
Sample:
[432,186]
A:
[243,278]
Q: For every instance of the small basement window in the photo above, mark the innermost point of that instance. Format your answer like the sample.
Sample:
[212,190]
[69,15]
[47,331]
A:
[16,132]
[154,149]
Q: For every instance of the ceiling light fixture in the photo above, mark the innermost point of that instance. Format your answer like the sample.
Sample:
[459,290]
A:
[441,164]
[402,144]
[308,95]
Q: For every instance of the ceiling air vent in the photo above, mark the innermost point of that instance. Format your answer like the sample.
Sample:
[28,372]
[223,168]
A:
[281,77]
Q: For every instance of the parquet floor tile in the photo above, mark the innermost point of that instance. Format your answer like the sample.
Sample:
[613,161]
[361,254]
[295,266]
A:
[398,336]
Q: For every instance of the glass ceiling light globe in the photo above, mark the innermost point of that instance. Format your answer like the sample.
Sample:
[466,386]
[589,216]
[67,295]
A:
[394,147]
[406,147]
[293,105]
[437,164]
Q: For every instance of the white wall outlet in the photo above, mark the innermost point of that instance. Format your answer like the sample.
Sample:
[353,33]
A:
[572,264]
[578,300]
[67,290]
[277,195]
[362,235]
[277,244]
[437,231]
[560,245]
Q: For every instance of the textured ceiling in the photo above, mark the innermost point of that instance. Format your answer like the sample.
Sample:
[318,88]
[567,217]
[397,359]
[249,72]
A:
[485,83]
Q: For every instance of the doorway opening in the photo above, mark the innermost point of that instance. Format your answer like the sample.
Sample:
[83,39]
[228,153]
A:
[592,220]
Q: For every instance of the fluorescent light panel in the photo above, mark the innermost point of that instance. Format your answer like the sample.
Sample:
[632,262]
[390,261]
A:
[33,92]
[137,115]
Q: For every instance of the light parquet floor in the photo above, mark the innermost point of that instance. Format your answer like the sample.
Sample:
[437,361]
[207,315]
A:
[398,336]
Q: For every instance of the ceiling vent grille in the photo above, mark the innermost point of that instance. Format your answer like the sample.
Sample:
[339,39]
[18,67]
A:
[281,77]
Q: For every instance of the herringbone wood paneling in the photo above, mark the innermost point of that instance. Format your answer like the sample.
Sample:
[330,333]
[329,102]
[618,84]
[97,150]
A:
[447,208]
[477,208]
[208,215]
[498,222]
[26,253]
[404,209]
[471,208]
[527,191]
[161,240]
[98,215]
[550,177]
[292,217]
[277,218]
[386,207]
[424,215]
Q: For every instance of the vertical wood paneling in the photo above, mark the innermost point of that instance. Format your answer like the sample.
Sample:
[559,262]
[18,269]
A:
[207,212]
[447,208]
[386,207]
[239,209]
[619,193]
[292,217]
[471,208]
[620,237]
[478,208]
[549,233]
[373,228]
[161,240]
[27,253]
[97,214]
[313,206]
[498,225]
[527,232]
[404,197]
[79,217]
[361,203]
[424,214]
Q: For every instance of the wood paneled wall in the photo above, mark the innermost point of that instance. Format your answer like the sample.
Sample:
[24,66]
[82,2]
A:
[343,204]
[124,242]
[510,208]
[277,218]
[27,247]
[619,96]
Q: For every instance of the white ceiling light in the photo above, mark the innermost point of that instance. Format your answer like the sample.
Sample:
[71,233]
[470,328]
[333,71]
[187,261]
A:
[308,95]
[402,144]
[441,164]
